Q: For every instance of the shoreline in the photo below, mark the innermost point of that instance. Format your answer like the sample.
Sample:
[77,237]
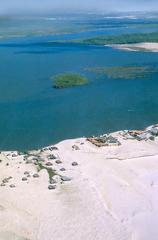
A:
[136,47]
[109,182]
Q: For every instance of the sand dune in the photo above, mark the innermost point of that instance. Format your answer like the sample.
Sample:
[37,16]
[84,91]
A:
[112,195]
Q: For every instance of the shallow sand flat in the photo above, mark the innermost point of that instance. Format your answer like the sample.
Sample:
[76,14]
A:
[146,46]
[113,195]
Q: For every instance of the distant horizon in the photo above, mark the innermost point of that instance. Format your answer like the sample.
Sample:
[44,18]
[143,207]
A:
[81,12]
[34,7]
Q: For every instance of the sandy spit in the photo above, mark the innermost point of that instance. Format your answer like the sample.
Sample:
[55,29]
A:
[146,46]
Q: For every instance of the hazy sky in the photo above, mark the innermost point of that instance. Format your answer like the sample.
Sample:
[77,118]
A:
[37,6]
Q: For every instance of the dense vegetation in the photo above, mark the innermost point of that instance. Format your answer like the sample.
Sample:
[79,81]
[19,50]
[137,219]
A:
[68,80]
[122,39]
[124,72]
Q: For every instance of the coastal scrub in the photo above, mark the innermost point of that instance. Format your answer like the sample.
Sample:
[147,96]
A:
[50,171]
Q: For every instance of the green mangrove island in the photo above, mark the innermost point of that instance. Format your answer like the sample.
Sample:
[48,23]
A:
[124,72]
[121,39]
[66,80]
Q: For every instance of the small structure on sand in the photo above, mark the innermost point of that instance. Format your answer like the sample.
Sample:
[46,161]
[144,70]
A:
[104,140]
[148,134]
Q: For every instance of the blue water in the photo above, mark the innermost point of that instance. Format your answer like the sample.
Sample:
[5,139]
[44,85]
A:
[33,114]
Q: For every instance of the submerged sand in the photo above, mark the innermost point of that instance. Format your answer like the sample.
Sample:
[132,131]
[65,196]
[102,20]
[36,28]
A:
[112,195]
[146,46]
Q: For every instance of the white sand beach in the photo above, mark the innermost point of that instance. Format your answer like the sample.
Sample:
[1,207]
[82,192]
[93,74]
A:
[111,192]
[146,46]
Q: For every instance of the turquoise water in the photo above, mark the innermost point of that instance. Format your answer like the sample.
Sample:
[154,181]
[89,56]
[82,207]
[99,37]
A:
[33,114]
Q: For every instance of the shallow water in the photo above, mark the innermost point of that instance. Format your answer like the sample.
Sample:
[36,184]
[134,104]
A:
[33,114]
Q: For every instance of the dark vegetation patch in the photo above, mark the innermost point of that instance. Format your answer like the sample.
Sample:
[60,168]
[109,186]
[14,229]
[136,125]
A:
[66,80]
[124,72]
[50,171]
[121,39]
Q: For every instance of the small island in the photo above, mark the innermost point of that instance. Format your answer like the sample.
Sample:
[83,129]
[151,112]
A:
[66,80]
[124,72]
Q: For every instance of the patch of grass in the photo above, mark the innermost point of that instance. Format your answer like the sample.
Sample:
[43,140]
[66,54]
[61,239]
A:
[66,80]
[124,72]
[23,153]
[50,171]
